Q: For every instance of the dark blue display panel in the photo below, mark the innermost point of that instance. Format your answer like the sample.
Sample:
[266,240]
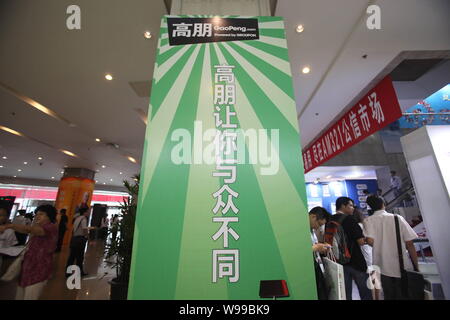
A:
[324,194]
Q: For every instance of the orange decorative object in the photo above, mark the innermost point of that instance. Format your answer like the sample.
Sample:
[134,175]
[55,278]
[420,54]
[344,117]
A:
[73,193]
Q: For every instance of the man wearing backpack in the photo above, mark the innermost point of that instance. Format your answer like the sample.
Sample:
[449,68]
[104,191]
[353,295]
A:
[345,235]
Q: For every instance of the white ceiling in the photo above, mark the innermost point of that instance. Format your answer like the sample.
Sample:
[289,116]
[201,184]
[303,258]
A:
[64,70]
[336,38]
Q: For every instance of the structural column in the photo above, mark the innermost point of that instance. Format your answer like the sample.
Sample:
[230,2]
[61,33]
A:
[74,192]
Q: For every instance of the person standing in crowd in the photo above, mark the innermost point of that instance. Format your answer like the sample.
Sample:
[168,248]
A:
[396,183]
[7,237]
[23,221]
[382,236]
[114,225]
[318,217]
[62,227]
[104,227]
[366,249]
[30,217]
[80,234]
[38,259]
[356,268]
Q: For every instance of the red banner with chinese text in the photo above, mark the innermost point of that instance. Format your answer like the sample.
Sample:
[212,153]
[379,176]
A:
[378,108]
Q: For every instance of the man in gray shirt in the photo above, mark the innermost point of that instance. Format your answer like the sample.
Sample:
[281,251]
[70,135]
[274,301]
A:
[80,234]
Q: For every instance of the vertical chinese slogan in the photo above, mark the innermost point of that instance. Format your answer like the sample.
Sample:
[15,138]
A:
[222,201]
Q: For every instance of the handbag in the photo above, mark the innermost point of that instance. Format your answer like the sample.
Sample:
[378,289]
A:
[334,277]
[15,267]
[412,282]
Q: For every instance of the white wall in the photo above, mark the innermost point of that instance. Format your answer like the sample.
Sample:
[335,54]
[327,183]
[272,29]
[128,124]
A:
[427,152]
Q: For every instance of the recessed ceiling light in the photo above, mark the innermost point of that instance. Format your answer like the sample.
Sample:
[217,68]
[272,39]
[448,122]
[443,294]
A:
[19,170]
[132,159]
[69,153]
[96,181]
[39,158]
[299,28]
[53,177]
[1,166]
[111,179]
[62,172]
[25,162]
[147,34]
[306,70]
[4,157]
[328,177]
[104,182]
[108,77]
[15,176]
[120,172]
[97,139]
[103,166]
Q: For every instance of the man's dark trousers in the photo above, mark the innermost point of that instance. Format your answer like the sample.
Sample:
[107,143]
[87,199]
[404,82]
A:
[350,273]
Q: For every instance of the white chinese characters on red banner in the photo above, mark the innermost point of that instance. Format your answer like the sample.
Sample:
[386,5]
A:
[378,108]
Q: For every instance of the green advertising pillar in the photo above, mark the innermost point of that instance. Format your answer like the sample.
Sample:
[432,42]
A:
[222,202]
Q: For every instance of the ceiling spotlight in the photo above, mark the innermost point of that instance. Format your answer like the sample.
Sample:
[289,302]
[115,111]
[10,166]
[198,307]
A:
[104,182]
[111,179]
[25,162]
[103,166]
[4,157]
[328,177]
[19,170]
[53,177]
[306,70]
[1,166]
[96,181]
[147,34]
[299,28]
[120,172]
[68,153]
[62,172]
[39,158]
[108,77]
[15,176]
[132,159]
[97,139]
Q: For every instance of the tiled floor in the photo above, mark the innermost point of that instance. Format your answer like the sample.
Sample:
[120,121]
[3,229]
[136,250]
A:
[95,286]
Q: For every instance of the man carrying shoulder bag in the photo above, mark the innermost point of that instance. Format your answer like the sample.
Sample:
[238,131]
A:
[393,252]
[79,238]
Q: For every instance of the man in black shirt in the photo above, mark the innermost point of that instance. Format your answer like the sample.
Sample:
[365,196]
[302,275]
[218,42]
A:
[356,269]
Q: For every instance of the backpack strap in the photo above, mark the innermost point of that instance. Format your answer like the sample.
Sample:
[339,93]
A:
[399,244]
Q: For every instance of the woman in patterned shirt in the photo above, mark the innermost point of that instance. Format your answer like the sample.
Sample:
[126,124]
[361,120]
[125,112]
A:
[38,259]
